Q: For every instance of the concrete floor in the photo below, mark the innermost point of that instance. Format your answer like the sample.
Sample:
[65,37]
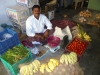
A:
[90,61]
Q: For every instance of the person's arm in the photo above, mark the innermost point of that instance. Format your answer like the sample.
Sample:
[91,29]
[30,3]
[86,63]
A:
[49,27]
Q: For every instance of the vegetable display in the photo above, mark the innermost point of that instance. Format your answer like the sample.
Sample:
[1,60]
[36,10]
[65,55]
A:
[15,54]
[77,45]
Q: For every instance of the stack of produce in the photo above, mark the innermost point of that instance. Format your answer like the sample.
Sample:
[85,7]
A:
[63,23]
[85,13]
[15,54]
[50,66]
[82,19]
[86,36]
[77,45]
[70,58]
[35,67]
[98,16]
[93,23]
[30,69]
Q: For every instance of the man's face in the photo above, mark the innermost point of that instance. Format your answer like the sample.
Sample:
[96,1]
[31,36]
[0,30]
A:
[36,12]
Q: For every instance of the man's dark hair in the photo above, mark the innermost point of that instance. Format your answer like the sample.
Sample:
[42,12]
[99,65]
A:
[36,6]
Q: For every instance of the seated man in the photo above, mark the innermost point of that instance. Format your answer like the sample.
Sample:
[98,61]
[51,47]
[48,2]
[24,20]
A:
[35,26]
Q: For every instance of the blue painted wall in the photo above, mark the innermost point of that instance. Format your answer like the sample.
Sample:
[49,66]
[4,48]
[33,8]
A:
[3,15]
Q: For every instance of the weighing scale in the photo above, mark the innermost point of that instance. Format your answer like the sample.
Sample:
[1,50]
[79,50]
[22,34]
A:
[53,50]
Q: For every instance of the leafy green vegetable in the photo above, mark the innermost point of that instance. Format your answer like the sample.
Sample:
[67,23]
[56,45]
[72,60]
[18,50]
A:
[15,54]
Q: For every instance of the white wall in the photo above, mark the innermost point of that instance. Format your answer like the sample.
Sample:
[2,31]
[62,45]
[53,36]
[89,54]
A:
[3,15]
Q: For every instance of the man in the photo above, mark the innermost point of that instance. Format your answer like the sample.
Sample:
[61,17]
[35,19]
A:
[35,26]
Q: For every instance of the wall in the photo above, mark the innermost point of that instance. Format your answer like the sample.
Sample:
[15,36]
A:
[94,5]
[3,15]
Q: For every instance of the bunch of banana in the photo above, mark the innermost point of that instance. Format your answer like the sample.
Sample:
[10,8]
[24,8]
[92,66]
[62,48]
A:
[50,66]
[30,68]
[68,58]
[26,70]
[86,37]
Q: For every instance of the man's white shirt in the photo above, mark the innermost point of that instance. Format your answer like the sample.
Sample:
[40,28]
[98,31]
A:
[34,25]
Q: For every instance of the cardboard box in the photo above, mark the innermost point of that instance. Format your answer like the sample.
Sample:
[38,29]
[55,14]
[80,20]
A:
[51,14]
[28,3]
[18,14]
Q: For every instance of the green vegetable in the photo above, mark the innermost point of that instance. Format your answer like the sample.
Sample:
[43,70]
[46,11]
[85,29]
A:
[80,30]
[15,54]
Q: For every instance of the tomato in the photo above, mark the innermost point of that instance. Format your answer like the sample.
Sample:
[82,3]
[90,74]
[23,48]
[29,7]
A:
[78,46]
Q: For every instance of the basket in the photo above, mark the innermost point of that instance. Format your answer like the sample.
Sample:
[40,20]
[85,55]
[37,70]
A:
[14,70]
[8,43]
[77,45]
[53,41]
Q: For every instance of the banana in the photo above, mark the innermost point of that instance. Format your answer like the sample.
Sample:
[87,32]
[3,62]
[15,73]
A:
[55,61]
[42,68]
[62,58]
[34,70]
[74,55]
[86,37]
[30,66]
[26,70]
[47,69]
[51,65]
[22,70]
[66,59]
[37,61]
[35,66]
[72,59]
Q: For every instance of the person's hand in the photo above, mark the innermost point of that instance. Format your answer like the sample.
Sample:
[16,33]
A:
[46,34]
[42,37]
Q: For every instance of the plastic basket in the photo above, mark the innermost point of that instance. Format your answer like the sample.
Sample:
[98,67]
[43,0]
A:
[13,69]
[53,41]
[8,43]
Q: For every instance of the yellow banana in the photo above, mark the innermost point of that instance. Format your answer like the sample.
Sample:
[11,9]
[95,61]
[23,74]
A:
[57,63]
[47,69]
[66,59]
[42,68]
[22,70]
[62,58]
[30,66]
[34,70]
[51,65]
[53,60]
[26,70]
[37,61]
[35,66]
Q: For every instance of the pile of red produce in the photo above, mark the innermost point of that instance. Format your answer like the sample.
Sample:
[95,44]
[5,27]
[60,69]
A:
[77,45]
[63,23]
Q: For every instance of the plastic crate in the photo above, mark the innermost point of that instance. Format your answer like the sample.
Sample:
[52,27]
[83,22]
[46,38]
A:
[13,69]
[75,48]
[9,43]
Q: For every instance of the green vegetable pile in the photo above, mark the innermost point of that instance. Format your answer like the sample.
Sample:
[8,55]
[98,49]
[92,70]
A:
[15,54]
